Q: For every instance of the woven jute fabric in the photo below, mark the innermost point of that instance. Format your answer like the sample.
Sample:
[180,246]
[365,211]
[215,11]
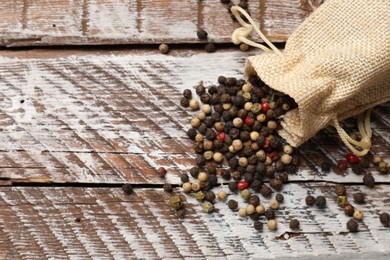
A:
[335,65]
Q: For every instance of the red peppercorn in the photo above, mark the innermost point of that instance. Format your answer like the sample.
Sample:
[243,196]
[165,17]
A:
[221,136]
[242,185]
[266,143]
[351,158]
[249,121]
[264,107]
[342,164]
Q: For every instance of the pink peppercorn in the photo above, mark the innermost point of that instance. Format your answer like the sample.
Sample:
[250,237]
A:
[242,185]
[342,164]
[351,158]
[249,121]
[264,107]
[220,136]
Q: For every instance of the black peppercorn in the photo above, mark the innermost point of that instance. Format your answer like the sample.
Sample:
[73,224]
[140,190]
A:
[184,102]
[365,161]
[202,34]
[325,167]
[251,169]
[216,116]
[194,171]
[200,160]
[187,94]
[254,200]
[225,174]
[369,180]
[162,172]
[294,224]
[225,1]
[205,98]
[279,166]
[238,101]
[213,179]
[233,186]
[234,133]
[209,122]
[244,136]
[210,47]
[254,216]
[349,210]
[192,132]
[279,198]
[320,202]
[352,225]
[127,188]
[291,169]
[202,129]
[205,185]
[357,169]
[269,214]
[210,134]
[209,196]
[359,197]
[258,225]
[167,187]
[266,191]
[184,178]
[222,79]
[232,204]
[283,177]
[276,184]
[200,89]
[257,185]
[340,190]
[310,200]
[212,90]
[385,219]
[270,173]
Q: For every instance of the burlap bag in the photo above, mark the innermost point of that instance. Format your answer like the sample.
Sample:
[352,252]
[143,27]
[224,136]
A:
[335,65]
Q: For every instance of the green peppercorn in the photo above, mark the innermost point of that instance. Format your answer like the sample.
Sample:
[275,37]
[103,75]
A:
[294,224]
[352,225]
[245,194]
[383,167]
[342,201]
[175,202]
[200,195]
[208,207]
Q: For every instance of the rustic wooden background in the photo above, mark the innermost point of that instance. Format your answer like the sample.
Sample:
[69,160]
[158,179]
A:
[78,122]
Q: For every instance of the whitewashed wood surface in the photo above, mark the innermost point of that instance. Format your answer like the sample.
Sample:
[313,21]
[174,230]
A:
[81,22]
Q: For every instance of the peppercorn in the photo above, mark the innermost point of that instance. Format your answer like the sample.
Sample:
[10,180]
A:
[365,161]
[202,176]
[180,213]
[194,171]
[254,216]
[184,102]
[279,198]
[238,101]
[357,169]
[222,195]
[383,167]
[210,47]
[325,167]
[266,191]
[368,180]
[310,200]
[258,225]
[254,200]
[359,197]
[210,134]
[242,212]
[213,179]
[272,224]
[205,185]
[200,195]
[257,185]
[294,224]
[184,177]
[245,194]
[320,202]
[202,34]
[352,225]
[175,202]
[276,184]
[167,187]
[358,214]
[342,164]
[127,188]
[351,158]
[376,159]
[192,133]
[196,186]
[187,93]
[340,190]
[250,209]
[208,207]
[274,204]
[283,177]
[194,104]
[209,196]
[385,219]
[269,214]
[187,187]
[248,176]
[200,160]
[349,210]
[232,204]
[233,187]
[342,201]
[163,48]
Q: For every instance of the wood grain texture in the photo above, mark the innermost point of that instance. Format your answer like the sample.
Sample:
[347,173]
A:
[116,118]
[40,223]
[80,22]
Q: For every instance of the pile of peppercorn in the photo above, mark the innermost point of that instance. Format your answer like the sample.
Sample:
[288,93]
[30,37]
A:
[235,138]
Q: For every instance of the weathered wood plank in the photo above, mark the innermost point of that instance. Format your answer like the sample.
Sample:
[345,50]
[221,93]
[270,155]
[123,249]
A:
[69,22]
[49,222]
[116,118]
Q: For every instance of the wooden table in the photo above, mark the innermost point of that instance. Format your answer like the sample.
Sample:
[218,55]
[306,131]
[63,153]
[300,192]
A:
[78,122]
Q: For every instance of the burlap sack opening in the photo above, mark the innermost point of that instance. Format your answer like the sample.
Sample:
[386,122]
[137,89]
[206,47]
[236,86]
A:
[335,65]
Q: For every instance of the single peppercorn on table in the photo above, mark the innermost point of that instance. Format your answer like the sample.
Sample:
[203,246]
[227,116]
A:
[76,123]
